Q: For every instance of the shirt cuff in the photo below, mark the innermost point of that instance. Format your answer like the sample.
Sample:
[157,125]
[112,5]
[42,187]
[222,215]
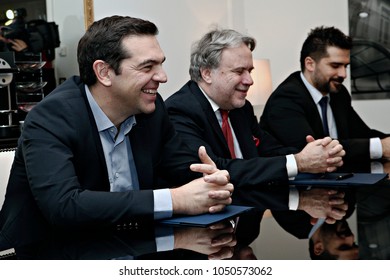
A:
[293,199]
[376,151]
[165,239]
[291,166]
[162,204]
[377,167]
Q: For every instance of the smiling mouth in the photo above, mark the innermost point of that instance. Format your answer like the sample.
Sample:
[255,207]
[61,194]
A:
[150,91]
[242,90]
[338,80]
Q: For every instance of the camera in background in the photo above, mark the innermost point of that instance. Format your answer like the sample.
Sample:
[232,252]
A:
[38,34]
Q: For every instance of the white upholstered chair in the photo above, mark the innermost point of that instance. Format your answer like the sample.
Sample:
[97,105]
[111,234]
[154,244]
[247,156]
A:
[6,159]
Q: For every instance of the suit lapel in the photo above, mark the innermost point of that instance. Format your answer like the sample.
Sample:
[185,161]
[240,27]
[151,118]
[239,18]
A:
[210,115]
[311,108]
[340,115]
[242,130]
[97,142]
[316,118]
[140,138]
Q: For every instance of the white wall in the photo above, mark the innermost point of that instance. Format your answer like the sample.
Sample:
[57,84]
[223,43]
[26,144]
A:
[376,113]
[69,15]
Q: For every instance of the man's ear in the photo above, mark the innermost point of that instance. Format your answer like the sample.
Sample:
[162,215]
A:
[206,75]
[310,64]
[318,248]
[102,72]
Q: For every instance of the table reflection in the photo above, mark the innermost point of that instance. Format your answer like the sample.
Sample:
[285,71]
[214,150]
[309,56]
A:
[373,214]
[143,242]
[368,208]
[364,233]
[334,242]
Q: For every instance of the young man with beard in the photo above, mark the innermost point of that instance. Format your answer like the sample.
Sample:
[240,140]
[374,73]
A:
[294,108]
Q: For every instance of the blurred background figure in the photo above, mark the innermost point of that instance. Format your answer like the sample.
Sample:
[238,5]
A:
[14,35]
[36,36]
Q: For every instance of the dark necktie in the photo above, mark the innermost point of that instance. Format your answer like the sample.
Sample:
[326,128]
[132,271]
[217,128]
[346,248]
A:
[324,107]
[227,132]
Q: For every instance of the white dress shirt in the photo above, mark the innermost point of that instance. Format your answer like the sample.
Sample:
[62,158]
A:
[291,164]
[375,143]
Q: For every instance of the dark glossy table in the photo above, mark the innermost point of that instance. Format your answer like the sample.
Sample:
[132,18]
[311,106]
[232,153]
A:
[363,234]
[140,242]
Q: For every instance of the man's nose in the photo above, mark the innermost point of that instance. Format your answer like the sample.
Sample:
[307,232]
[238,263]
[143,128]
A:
[247,78]
[160,76]
[342,72]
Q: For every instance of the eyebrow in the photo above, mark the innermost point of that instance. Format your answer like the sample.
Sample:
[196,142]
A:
[243,69]
[151,61]
[338,63]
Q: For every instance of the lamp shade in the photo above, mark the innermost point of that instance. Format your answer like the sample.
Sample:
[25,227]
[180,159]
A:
[262,83]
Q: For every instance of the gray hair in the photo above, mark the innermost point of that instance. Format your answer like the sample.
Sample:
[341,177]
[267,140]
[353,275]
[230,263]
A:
[206,53]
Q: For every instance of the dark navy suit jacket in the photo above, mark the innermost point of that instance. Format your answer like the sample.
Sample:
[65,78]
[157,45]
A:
[290,114]
[59,174]
[258,176]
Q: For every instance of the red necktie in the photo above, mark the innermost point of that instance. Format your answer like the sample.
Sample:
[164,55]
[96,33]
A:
[227,132]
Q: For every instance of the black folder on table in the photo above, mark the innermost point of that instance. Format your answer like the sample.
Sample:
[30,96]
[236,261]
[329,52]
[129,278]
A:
[205,220]
[336,179]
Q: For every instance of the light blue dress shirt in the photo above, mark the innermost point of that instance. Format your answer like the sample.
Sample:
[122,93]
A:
[119,158]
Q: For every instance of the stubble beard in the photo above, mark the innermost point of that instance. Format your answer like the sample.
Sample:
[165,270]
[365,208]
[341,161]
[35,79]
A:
[326,86]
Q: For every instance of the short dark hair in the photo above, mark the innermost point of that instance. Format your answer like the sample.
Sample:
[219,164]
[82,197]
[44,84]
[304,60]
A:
[103,41]
[319,39]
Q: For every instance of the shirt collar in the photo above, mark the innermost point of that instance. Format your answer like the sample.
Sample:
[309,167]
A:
[315,93]
[101,119]
[212,103]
